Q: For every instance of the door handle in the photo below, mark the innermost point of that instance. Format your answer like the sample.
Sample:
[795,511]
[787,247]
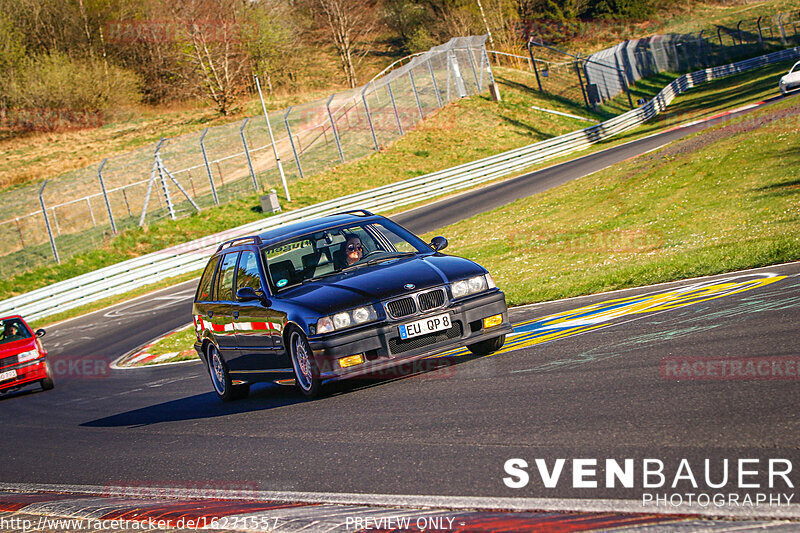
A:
[210,314]
[236,314]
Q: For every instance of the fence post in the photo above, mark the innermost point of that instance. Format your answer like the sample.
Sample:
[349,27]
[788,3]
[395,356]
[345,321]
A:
[435,85]
[47,223]
[247,153]
[580,80]
[291,141]
[105,195]
[783,30]
[369,118]
[272,140]
[535,68]
[760,35]
[165,188]
[394,107]
[416,94]
[623,80]
[333,128]
[474,72]
[208,168]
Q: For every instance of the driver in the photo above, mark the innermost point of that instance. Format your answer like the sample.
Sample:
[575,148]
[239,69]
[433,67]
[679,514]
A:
[353,249]
[11,331]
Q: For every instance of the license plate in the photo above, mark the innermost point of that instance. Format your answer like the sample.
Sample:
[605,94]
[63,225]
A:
[425,326]
[5,376]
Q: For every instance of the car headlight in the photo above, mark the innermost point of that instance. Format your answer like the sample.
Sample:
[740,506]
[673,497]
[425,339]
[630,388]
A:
[346,319]
[471,286]
[30,355]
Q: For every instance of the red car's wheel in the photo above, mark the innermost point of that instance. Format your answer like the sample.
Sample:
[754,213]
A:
[47,383]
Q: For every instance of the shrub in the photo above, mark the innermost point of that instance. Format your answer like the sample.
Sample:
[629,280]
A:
[55,81]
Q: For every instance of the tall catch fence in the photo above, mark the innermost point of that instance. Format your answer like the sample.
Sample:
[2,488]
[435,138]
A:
[78,211]
[639,58]
[603,75]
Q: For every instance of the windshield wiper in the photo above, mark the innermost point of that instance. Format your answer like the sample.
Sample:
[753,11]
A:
[394,255]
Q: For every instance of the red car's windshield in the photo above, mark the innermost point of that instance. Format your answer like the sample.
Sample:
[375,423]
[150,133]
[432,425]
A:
[13,329]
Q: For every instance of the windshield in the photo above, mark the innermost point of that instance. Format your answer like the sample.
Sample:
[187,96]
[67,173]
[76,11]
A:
[795,68]
[330,251]
[12,329]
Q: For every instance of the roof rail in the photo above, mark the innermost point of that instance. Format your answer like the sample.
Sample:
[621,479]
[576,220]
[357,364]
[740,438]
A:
[254,239]
[359,212]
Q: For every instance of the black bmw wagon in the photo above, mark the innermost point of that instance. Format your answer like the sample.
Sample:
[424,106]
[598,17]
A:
[338,297]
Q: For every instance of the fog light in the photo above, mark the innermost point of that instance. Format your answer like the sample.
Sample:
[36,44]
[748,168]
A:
[492,321]
[351,360]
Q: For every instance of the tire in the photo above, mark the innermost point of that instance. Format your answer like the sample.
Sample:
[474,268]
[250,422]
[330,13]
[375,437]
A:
[488,346]
[221,377]
[306,373]
[47,383]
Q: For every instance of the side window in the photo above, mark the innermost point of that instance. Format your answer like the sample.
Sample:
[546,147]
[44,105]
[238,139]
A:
[203,293]
[247,274]
[224,290]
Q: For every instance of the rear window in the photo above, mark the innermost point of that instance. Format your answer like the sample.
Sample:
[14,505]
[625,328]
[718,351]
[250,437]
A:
[13,329]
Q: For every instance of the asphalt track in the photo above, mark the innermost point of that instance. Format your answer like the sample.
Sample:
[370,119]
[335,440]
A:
[592,389]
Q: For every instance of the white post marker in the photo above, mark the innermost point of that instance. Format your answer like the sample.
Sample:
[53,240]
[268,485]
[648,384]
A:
[272,140]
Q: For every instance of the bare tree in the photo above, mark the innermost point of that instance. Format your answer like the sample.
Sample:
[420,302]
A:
[349,23]
[210,31]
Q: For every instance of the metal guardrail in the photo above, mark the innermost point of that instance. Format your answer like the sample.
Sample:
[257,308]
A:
[192,256]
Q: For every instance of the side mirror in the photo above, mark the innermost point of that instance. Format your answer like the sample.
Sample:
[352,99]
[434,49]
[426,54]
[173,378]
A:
[438,243]
[40,333]
[248,294]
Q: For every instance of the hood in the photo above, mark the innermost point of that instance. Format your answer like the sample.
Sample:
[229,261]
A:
[7,349]
[371,284]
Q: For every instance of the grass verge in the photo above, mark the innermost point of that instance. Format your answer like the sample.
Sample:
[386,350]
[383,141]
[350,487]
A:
[721,200]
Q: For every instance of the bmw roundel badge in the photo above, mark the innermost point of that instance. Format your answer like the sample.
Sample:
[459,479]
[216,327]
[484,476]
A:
[409,286]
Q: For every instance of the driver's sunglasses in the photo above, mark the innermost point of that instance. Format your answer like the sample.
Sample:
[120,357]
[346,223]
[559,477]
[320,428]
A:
[354,247]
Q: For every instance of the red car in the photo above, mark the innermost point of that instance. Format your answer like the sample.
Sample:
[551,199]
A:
[22,356]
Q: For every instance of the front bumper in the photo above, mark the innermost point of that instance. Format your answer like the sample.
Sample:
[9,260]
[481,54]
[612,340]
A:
[383,348]
[28,372]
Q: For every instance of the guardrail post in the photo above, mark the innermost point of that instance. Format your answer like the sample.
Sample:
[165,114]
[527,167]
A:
[435,85]
[369,118]
[334,129]
[105,195]
[247,153]
[208,168]
[272,141]
[47,223]
[416,94]
[394,107]
[291,141]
